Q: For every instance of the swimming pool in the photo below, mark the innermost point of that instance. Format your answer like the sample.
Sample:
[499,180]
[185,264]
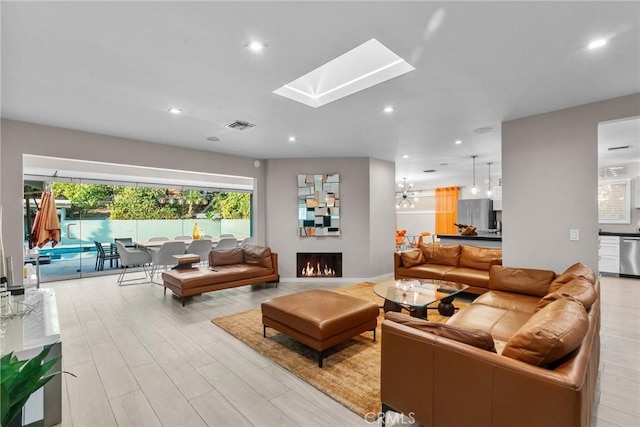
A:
[69,251]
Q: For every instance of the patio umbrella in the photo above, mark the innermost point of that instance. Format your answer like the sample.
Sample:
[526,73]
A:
[46,226]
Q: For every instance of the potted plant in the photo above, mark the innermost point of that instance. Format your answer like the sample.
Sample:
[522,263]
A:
[19,379]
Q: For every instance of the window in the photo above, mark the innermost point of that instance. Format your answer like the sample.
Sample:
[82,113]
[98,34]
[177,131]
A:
[614,202]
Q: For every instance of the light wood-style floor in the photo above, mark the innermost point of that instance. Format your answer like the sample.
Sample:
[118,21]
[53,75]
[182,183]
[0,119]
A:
[141,359]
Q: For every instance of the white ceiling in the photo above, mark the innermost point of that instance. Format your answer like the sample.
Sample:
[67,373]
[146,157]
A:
[117,67]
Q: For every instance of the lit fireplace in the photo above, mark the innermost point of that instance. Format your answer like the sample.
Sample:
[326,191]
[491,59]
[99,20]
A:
[319,264]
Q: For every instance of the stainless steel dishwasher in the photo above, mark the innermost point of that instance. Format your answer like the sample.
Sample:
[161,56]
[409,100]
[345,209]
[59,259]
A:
[630,256]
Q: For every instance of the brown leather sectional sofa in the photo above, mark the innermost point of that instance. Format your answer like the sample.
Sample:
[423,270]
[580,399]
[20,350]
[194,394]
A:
[227,269]
[456,263]
[524,353]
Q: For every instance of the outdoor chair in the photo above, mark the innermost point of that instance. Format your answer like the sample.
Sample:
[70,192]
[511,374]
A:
[102,256]
[132,258]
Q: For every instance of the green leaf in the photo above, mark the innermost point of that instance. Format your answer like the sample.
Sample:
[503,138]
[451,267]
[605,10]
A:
[20,379]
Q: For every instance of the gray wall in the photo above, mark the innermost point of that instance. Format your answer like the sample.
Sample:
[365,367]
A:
[20,138]
[382,216]
[366,239]
[550,179]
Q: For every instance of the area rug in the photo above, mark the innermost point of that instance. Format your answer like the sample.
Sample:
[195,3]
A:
[351,372]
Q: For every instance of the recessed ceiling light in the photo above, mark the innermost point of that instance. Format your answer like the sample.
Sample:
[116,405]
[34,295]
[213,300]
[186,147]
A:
[406,156]
[175,110]
[256,46]
[458,141]
[292,139]
[485,129]
[389,109]
[597,43]
[213,139]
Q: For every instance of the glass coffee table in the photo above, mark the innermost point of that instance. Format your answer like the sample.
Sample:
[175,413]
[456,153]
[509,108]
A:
[415,295]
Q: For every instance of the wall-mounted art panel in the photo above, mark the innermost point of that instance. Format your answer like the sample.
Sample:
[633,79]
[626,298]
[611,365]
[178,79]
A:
[319,205]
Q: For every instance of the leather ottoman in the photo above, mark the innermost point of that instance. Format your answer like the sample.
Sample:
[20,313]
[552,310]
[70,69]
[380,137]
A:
[320,319]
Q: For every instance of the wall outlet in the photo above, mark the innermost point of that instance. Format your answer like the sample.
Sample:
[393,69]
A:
[574,235]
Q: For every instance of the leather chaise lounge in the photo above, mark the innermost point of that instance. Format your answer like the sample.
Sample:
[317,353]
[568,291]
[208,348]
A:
[227,269]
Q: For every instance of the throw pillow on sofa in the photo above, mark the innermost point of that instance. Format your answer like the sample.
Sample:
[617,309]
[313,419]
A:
[441,254]
[225,257]
[257,255]
[579,289]
[411,258]
[474,337]
[576,270]
[550,334]
[526,281]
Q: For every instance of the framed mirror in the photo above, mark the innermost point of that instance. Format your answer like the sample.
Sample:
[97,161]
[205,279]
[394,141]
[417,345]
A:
[319,205]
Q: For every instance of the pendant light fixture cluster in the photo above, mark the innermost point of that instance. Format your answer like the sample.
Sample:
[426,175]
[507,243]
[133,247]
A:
[474,189]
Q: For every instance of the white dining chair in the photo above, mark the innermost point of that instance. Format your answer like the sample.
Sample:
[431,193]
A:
[200,248]
[183,238]
[227,243]
[132,258]
[164,257]
[226,235]
[158,239]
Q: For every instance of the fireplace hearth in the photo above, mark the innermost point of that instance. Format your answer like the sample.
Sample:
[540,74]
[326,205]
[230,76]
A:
[319,264]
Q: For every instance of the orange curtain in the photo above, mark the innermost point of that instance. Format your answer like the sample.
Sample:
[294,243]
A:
[447,210]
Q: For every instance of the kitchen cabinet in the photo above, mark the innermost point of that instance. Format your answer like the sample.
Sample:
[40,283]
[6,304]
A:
[497,198]
[609,254]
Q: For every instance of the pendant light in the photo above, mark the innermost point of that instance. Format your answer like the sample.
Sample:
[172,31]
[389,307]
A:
[474,189]
[489,192]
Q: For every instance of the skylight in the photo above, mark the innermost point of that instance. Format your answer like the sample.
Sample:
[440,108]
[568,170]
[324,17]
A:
[365,66]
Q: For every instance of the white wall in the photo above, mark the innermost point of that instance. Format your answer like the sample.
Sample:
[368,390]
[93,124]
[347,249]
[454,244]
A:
[550,179]
[416,222]
[20,138]
[366,214]
[382,217]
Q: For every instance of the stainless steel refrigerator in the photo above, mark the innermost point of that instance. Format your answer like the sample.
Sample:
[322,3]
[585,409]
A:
[477,212]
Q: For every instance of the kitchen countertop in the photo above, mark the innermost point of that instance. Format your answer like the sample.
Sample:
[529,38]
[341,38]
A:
[610,233]
[485,237]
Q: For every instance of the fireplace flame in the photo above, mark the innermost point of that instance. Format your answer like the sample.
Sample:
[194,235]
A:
[317,270]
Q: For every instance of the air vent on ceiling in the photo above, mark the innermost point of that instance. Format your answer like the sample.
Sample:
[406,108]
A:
[429,170]
[612,171]
[622,147]
[240,125]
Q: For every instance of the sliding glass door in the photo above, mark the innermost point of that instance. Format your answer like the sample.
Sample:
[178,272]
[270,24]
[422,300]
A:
[93,214]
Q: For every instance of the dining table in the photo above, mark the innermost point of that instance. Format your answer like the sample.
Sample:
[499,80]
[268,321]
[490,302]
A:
[155,244]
